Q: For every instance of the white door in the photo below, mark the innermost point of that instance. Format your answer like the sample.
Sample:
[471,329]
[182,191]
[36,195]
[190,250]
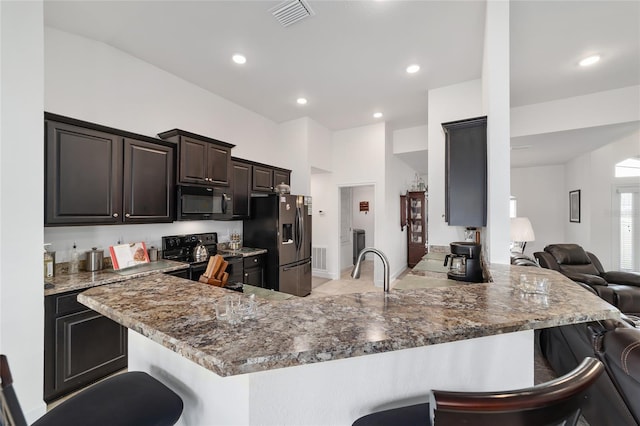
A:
[627,227]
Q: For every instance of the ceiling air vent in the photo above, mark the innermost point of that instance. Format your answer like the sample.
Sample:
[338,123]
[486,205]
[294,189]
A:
[291,11]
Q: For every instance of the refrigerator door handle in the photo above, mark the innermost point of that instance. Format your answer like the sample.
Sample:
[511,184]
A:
[300,229]
[296,236]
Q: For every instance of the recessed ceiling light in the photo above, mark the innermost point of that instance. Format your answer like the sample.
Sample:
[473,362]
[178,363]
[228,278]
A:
[377,115]
[239,59]
[412,69]
[589,60]
[301,101]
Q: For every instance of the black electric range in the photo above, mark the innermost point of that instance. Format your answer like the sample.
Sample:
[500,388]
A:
[181,248]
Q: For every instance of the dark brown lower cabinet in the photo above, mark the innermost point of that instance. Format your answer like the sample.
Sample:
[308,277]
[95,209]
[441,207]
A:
[254,270]
[80,345]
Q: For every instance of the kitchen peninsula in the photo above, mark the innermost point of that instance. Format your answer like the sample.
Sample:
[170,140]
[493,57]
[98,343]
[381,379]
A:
[333,359]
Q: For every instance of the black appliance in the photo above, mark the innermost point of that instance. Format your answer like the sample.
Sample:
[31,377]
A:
[202,203]
[281,223]
[182,248]
[464,262]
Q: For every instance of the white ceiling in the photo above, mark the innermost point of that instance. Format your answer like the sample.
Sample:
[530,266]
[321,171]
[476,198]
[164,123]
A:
[349,59]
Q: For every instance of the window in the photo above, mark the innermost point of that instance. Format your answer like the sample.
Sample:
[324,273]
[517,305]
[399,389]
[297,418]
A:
[513,206]
[628,168]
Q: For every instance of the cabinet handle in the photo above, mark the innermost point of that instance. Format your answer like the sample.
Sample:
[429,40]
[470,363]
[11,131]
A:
[127,215]
[246,275]
[115,215]
[255,260]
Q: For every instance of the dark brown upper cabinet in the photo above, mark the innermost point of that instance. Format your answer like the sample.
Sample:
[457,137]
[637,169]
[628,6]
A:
[201,160]
[250,177]
[148,182]
[466,172]
[266,178]
[241,185]
[96,175]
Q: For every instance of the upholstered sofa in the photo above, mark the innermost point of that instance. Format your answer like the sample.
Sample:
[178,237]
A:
[613,400]
[621,289]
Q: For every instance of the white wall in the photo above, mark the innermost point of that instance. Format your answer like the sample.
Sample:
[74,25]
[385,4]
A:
[358,159]
[294,154]
[594,175]
[319,139]
[398,179]
[92,81]
[541,196]
[495,85]
[410,139]
[325,216]
[21,200]
[446,104]
[596,109]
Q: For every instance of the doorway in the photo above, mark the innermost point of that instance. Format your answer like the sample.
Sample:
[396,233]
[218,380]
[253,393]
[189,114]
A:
[357,212]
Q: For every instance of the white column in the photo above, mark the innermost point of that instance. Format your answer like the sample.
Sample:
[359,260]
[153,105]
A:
[495,85]
[21,198]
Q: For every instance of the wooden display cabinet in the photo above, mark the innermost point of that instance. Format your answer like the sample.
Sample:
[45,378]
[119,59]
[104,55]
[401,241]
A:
[416,226]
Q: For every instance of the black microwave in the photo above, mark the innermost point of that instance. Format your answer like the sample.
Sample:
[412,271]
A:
[201,203]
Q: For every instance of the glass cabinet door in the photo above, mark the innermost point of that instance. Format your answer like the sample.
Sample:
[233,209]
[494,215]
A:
[415,215]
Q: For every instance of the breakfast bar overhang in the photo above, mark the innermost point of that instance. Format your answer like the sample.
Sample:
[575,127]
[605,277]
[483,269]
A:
[334,359]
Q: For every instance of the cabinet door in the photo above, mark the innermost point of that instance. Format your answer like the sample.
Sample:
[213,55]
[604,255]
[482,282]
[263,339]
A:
[254,270]
[241,182]
[416,227]
[148,182]
[466,172]
[83,170]
[262,179]
[88,346]
[254,276]
[193,161]
[280,176]
[218,165]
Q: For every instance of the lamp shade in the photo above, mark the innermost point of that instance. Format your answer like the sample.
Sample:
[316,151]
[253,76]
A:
[521,229]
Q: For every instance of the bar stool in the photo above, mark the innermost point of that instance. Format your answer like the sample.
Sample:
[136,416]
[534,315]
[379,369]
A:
[550,403]
[127,399]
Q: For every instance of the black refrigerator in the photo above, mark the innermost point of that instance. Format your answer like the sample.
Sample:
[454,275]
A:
[282,225]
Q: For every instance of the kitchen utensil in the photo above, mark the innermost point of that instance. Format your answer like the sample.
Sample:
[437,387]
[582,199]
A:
[236,241]
[94,259]
[283,188]
[74,260]
[200,252]
[153,254]
[49,262]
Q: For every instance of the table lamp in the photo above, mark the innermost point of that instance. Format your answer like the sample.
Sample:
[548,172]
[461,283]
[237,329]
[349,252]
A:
[521,231]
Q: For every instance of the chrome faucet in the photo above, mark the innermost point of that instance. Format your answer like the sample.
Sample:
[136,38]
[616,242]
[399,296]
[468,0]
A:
[355,273]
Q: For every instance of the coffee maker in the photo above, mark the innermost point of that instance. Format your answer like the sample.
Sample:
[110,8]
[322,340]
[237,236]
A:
[465,262]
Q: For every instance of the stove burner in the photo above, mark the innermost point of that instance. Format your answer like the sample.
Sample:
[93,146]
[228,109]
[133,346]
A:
[181,247]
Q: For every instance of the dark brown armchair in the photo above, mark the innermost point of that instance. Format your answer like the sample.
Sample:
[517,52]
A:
[621,289]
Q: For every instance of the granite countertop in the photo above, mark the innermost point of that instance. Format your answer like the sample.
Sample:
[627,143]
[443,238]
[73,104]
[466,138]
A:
[243,251]
[82,280]
[179,315]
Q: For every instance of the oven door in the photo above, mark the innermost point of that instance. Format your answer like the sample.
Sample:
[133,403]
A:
[202,203]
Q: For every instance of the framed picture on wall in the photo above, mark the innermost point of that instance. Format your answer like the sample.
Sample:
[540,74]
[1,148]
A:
[574,206]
